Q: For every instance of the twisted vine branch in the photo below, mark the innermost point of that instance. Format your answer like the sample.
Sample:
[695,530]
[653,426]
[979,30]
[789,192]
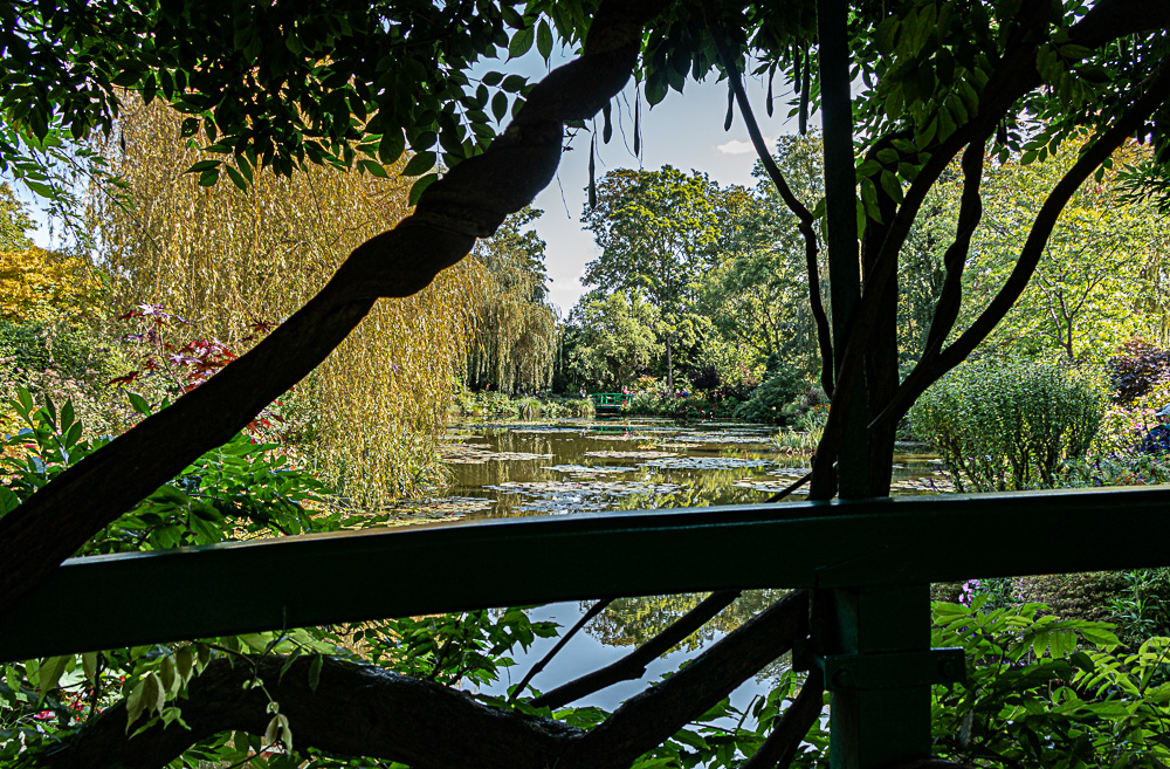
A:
[468,202]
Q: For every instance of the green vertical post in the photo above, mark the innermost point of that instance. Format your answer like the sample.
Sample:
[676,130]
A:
[841,232]
[874,726]
[873,721]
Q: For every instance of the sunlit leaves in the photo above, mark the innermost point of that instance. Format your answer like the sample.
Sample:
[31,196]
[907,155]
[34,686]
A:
[227,260]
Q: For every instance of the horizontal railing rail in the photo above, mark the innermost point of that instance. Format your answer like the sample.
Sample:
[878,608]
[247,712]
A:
[137,598]
[610,399]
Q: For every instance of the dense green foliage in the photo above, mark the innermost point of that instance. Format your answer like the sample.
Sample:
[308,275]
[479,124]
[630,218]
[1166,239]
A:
[775,399]
[1006,425]
[1044,692]
[281,85]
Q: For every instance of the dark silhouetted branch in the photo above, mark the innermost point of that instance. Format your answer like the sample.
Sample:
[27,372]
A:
[779,749]
[361,710]
[469,201]
[633,665]
[594,610]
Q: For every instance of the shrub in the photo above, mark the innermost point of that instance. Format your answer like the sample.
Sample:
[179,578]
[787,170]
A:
[1008,425]
[645,403]
[769,401]
[1048,692]
[1137,369]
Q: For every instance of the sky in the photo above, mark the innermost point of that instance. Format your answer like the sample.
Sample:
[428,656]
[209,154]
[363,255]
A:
[684,130]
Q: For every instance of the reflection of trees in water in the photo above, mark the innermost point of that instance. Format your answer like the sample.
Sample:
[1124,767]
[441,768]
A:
[696,488]
[633,621]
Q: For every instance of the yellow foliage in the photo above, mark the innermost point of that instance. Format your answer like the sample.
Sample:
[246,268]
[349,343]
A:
[36,284]
[227,260]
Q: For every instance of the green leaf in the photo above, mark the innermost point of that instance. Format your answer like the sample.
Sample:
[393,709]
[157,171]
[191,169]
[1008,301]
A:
[420,164]
[237,178]
[51,671]
[138,403]
[373,168]
[500,105]
[544,39]
[73,435]
[520,42]
[201,166]
[135,703]
[391,146]
[315,672]
[89,664]
[420,187]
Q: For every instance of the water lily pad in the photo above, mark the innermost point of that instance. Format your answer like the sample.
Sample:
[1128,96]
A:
[578,496]
[930,484]
[707,463]
[639,454]
[771,487]
[467,454]
[591,470]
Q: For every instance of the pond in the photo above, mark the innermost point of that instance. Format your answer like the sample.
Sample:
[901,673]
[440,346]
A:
[597,465]
[567,467]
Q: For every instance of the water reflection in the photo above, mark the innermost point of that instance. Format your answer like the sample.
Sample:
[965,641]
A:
[593,466]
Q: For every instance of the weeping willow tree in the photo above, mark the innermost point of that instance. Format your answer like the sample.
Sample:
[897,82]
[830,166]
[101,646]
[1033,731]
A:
[515,343]
[228,261]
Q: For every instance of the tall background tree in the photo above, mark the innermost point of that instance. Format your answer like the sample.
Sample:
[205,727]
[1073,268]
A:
[660,232]
[233,263]
[516,337]
[272,85]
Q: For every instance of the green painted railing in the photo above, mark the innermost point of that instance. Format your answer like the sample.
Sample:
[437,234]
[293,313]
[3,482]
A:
[609,401]
[863,554]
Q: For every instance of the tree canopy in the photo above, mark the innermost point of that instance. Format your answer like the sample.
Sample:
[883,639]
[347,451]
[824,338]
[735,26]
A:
[282,85]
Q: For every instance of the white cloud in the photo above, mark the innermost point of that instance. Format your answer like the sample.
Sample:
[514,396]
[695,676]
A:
[740,147]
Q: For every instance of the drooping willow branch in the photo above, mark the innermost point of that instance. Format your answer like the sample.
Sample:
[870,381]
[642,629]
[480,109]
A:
[805,219]
[360,710]
[468,202]
[633,665]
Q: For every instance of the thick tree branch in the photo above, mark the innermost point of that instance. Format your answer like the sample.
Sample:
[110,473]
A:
[355,710]
[654,715]
[470,201]
[1015,76]
[805,219]
[970,212]
[366,711]
[633,665]
[1156,92]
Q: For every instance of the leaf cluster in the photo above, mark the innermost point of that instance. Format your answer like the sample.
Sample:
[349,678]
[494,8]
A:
[1048,692]
[1008,425]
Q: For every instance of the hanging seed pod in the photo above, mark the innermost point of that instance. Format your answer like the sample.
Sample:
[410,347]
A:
[805,85]
[637,124]
[592,171]
[795,68]
[730,107]
[607,124]
[768,103]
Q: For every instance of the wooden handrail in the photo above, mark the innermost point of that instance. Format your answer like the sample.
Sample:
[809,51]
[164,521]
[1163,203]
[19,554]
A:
[134,598]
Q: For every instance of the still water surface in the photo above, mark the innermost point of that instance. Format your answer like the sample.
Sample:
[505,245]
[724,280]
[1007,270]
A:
[576,466]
